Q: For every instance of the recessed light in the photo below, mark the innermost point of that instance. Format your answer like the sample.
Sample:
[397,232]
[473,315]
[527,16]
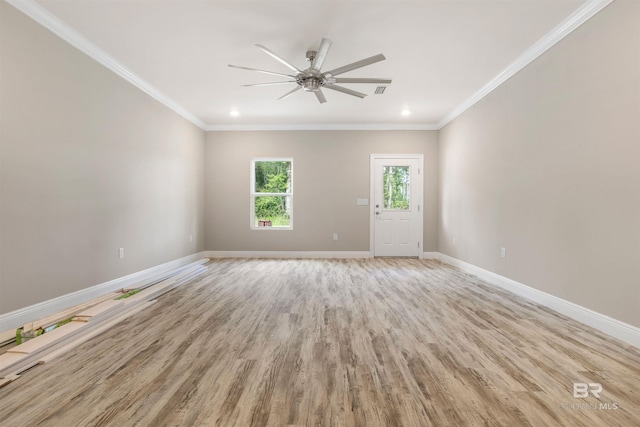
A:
[406,112]
[234,113]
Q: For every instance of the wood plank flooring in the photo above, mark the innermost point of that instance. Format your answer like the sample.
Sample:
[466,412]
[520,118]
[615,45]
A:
[375,342]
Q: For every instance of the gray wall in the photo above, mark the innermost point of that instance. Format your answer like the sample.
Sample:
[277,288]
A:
[548,166]
[88,164]
[331,171]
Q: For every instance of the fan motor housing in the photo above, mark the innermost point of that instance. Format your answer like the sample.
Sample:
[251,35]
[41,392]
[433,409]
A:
[311,84]
[310,80]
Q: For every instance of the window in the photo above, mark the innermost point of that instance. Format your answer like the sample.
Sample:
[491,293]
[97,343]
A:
[272,194]
[396,181]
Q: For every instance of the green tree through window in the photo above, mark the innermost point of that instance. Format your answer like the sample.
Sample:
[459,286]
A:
[272,193]
[396,187]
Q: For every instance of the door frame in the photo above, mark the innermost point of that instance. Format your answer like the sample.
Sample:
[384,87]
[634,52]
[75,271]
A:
[372,197]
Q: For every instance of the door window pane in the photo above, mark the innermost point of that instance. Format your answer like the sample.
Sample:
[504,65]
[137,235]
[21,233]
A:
[397,186]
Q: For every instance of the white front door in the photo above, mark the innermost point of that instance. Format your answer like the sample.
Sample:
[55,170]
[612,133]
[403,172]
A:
[396,205]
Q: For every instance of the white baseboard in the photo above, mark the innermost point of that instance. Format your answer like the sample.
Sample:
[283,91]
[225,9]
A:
[431,255]
[288,254]
[617,329]
[623,331]
[17,318]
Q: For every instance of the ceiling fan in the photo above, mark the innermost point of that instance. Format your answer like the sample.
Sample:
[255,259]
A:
[313,79]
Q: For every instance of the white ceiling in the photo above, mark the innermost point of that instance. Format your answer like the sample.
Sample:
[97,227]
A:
[442,55]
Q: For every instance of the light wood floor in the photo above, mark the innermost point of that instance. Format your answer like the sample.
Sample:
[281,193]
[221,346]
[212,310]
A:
[334,343]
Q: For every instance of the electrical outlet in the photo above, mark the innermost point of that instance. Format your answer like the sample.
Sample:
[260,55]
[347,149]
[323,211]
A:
[335,236]
[503,252]
[121,253]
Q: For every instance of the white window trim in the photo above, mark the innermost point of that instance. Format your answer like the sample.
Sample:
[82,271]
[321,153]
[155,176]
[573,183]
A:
[253,194]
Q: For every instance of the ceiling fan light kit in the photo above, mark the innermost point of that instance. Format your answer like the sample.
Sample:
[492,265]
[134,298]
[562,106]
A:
[313,79]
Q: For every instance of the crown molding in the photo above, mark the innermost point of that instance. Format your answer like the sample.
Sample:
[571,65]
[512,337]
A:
[45,18]
[326,126]
[576,19]
[71,36]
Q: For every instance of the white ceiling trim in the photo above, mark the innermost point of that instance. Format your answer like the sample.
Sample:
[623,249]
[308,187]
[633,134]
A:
[71,36]
[328,126]
[51,22]
[576,19]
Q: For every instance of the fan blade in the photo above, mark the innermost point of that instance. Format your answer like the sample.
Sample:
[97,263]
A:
[358,80]
[269,84]
[321,55]
[277,58]
[357,64]
[290,92]
[345,90]
[320,96]
[261,71]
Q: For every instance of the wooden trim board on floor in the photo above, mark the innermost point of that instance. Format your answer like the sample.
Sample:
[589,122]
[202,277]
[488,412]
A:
[84,337]
[22,316]
[99,310]
[66,314]
[88,322]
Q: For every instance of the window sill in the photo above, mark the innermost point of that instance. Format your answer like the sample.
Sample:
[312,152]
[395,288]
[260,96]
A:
[272,228]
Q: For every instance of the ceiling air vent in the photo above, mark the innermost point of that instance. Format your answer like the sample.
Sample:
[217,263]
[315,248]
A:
[380,90]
